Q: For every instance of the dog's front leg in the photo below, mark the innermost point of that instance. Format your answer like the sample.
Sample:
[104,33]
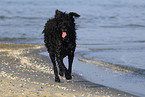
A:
[52,57]
[64,69]
[61,65]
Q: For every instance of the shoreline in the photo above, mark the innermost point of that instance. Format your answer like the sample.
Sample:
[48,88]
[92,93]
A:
[24,72]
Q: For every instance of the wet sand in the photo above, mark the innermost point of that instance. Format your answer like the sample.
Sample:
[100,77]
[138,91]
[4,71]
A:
[24,72]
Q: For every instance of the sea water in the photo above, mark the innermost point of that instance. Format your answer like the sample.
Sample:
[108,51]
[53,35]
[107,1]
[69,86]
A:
[109,32]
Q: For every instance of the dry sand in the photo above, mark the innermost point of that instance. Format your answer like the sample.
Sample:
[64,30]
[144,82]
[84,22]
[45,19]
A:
[23,72]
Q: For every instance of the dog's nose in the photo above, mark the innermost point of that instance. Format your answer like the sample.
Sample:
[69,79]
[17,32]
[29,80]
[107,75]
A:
[64,29]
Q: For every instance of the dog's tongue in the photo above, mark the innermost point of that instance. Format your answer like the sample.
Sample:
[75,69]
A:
[63,34]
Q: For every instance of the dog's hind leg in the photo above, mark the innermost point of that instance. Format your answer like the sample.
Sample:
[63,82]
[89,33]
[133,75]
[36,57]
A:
[52,57]
[60,70]
[70,61]
[64,69]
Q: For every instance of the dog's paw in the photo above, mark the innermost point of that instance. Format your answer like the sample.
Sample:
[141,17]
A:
[57,79]
[68,76]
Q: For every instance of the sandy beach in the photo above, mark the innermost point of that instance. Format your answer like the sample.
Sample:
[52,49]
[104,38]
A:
[24,72]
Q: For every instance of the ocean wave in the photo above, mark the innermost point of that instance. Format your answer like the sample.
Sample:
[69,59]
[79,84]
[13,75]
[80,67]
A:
[135,25]
[21,17]
[123,26]
[2,17]
[17,39]
[116,67]
[141,41]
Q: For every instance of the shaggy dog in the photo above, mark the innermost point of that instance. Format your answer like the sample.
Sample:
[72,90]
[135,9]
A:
[60,41]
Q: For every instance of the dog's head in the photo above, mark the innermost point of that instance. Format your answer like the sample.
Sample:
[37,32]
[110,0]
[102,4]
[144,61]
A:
[59,14]
[65,22]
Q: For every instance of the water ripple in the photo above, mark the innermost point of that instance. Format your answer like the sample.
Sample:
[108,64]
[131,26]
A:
[22,17]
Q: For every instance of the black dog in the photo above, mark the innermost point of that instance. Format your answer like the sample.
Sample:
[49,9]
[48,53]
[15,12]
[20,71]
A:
[60,40]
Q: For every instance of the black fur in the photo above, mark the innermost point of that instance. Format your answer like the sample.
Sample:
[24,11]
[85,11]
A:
[60,41]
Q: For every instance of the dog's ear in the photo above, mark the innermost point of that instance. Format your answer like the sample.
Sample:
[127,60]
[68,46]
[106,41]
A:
[58,13]
[74,14]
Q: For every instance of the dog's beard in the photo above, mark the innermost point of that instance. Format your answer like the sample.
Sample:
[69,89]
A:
[64,34]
